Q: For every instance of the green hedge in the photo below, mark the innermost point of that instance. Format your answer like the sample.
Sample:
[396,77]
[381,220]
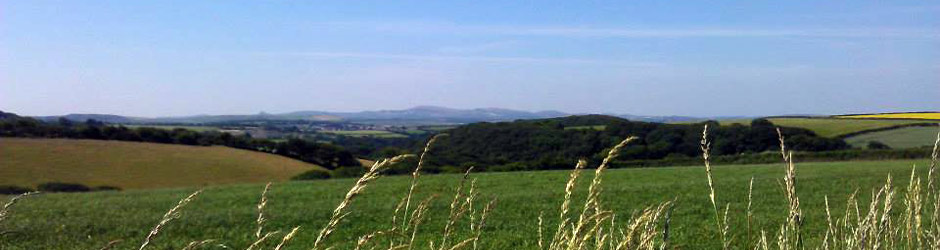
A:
[313,174]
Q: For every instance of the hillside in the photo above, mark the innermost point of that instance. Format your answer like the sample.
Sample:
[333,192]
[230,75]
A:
[907,137]
[135,165]
[832,127]
[228,213]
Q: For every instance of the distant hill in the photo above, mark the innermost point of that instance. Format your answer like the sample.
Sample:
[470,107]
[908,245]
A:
[420,115]
[99,117]
[4,115]
[136,165]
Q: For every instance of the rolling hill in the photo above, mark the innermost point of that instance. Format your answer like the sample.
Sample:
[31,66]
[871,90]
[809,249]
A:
[907,137]
[135,165]
[833,127]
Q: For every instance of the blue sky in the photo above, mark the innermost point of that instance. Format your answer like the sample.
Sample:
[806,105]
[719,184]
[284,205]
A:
[164,58]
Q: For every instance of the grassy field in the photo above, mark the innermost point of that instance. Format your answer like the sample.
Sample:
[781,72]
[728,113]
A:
[227,214]
[831,127]
[828,127]
[171,127]
[595,127]
[134,165]
[909,137]
[367,133]
[916,115]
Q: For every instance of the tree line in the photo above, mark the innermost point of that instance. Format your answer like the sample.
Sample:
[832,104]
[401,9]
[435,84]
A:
[557,143]
[326,155]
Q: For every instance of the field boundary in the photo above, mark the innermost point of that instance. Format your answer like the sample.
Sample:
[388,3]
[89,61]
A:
[862,132]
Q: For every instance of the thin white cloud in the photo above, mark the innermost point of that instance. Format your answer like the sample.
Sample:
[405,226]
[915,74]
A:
[486,59]
[477,48]
[636,32]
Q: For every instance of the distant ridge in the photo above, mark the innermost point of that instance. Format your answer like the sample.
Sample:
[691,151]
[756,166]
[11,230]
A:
[416,115]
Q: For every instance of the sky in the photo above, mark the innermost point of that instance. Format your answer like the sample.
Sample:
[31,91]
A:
[696,58]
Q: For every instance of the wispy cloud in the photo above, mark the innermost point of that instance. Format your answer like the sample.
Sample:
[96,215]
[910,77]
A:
[636,32]
[485,59]
[477,48]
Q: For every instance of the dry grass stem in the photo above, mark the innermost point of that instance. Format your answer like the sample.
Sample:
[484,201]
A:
[706,149]
[339,213]
[5,211]
[170,215]
[261,204]
[287,238]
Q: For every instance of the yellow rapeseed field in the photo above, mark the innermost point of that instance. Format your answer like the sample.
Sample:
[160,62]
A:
[918,115]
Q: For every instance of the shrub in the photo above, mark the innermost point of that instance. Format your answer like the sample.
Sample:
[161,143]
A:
[877,145]
[10,189]
[106,188]
[349,171]
[62,187]
[313,174]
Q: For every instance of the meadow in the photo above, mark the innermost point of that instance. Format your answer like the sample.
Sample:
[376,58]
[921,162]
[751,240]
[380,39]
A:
[171,127]
[595,127]
[228,214]
[832,127]
[367,133]
[907,137]
[826,126]
[136,165]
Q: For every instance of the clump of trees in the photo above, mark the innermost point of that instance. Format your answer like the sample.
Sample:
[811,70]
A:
[54,187]
[326,155]
[552,144]
[313,174]
[877,145]
[11,189]
[62,187]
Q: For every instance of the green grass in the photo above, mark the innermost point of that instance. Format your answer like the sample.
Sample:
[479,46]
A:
[595,127]
[436,128]
[89,221]
[367,133]
[135,165]
[828,127]
[416,132]
[170,127]
[831,127]
[909,137]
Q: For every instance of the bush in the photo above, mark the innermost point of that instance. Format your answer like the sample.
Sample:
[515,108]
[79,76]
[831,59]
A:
[877,145]
[349,172]
[10,189]
[62,187]
[313,174]
[106,188]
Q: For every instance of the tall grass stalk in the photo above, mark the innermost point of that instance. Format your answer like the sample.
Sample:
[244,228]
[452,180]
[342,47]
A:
[339,213]
[261,204]
[5,211]
[170,215]
[719,222]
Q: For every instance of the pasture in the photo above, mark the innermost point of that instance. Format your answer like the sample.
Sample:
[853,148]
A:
[831,127]
[595,127]
[171,127]
[227,213]
[824,126]
[908,137]
[137,165]
[367,133]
